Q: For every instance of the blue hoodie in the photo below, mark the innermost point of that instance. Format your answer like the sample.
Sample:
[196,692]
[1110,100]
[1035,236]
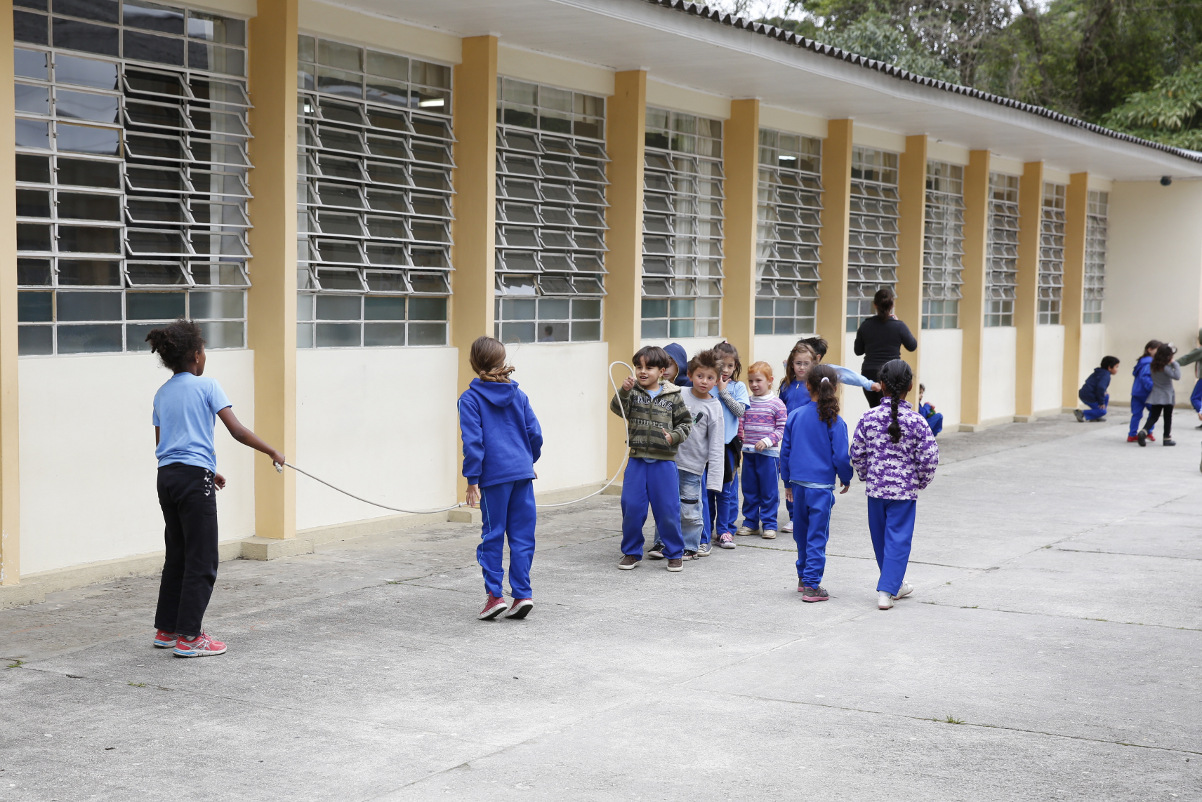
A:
[813,452]
[501,437]
[676,351]
[1095,387]
[1142,384]
[795,395]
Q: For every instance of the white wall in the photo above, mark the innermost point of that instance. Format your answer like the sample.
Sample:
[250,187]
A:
[87,456]
[1048,371]
[1093,348]
[774,349]
[940,370]
[1153,271]
[998,347]
[380,422]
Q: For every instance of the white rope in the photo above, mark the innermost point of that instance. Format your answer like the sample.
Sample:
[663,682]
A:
[280,469]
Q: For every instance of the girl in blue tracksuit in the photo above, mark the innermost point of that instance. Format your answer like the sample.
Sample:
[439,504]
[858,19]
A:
[1141,385]
[723,507]
[501,442]
[813,454]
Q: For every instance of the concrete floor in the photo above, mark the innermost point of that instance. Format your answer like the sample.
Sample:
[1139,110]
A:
[1051,650]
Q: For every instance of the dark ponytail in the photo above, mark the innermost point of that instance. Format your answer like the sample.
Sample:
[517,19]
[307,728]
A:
[897,379]
[822,382]
[176,344]
[883,301]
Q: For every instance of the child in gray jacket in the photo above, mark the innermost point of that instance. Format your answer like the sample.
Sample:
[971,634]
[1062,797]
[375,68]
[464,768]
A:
[1165,371]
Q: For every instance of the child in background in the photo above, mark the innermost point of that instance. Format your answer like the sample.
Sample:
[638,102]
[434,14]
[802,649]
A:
[760,431]
[1194,357]
[185,410]
[657,422]
[1093,393]
[895,455]
[1141,385]
[501,442]
[794,393]
[934,419]
[813,454]
[677,373]
[724,507]
[1164,371]
[846,375]
[700,455]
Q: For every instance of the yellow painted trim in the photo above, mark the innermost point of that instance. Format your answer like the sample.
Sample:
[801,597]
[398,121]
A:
[10,419]
[626,125]
[679,98]
[1026,302]
[741,163]
[836,203]
[1072,304]
[911,227]
[271,301]
[372,30]
[976,268]
[793,122]
[527,65]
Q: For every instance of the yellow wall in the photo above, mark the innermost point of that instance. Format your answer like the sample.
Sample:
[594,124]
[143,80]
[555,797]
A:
[741,163]
[10,451]
[1026,303]
[976,266]
[1072,305]
[836,202]
[911,226]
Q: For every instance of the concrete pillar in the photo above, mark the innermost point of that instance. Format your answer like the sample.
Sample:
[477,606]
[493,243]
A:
[1026,302]
[836,202]
[1072,304]
[10,456]
[741,163]
[911,228]
[625,127]
[976,268]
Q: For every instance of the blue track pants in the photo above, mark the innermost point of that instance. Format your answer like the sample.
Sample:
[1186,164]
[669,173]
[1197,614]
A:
[761,490]
[811,529]
[1093,411]
[724,506]
[507,508]
[1137,413]
[891,524]
[657,484]
[1195,398]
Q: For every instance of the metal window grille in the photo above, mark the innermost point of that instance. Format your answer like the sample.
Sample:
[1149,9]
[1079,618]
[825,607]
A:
[790,225]
[1095,255]
[374,197]
[1051,253]
[550,248]
[131,167]
[682,225]
[872,236]
[943,246]
[1002,277]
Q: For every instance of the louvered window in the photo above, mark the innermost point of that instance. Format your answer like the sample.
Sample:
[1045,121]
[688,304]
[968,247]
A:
[374,197]
[943,246]
[1002,250]
[790,225]
[1051,253]
[872,230]
[1095,255]
[682,225]
[131,168]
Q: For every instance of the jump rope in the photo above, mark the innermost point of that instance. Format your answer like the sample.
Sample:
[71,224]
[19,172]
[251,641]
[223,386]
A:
[280,469]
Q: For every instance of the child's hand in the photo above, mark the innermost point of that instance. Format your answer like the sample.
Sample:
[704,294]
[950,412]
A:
[844,489]
[876,387]
[789,494]
[277,458]
[763,444]
[722,382]
[932,406]
[628,385]
[219,481]
[667,435]
[473,495]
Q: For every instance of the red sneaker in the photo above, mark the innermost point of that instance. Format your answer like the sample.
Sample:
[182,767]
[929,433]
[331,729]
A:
[493,607]
[520,608]
[1132,439]
[1151,437]
[200,646]
[164,639]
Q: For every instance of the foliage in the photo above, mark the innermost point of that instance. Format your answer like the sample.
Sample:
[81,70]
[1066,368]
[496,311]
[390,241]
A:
[1169,112]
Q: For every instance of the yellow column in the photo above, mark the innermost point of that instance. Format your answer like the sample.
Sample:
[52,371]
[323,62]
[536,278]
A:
[1026,302]
[836,202]
[626,126]
[911,226]
[1072,304]
[741,162]
[10,466]
[271,312]
[976,268]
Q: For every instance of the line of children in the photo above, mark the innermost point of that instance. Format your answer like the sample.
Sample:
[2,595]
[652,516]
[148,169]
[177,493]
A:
[1093,392]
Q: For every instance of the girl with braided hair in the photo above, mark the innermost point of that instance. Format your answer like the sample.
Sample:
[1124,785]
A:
[894,453]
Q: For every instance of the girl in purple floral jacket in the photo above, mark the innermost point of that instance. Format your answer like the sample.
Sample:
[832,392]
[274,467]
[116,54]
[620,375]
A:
[894,454]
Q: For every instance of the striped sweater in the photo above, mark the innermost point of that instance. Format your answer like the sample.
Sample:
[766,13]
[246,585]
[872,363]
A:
[764,418]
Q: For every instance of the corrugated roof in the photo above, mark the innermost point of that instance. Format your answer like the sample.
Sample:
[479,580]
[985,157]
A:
[790,38]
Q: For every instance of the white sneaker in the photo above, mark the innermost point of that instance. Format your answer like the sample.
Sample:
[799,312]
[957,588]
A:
[747,530]
[787,528]
[904,590]
[884,601]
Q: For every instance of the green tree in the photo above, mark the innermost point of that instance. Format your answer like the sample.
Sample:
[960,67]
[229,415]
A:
[1170,112]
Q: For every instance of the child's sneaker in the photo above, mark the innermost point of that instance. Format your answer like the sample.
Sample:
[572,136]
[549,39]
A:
[903,591]
[675,565]
[883,600]
[520,608]
[690,555]
[747,530]
[1079,415]
[1168,441]
[787,528]
[1142,438]
[200,646]
[628,562]
[1151,437]
[1132,439]
[769,534]
[814,593]
[164,639]
[801,586]
[493,607]
[656,552]
[704,550]
[725,541]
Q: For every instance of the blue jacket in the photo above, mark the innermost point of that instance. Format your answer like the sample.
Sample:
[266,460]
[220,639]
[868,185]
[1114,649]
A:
[813,451]
[1095,387]
[501,437]
[1142,384]
[795,395]
[676,351]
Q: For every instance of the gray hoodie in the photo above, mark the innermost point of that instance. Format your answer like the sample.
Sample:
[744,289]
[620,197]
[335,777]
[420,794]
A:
[706,445]
[1162,384]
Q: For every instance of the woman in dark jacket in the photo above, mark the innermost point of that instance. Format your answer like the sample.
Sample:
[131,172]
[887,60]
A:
[880,339]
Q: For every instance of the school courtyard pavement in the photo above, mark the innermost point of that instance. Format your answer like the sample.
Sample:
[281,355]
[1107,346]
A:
[1051,650]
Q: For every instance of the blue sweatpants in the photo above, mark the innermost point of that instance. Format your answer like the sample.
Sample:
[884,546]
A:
[655,483]
[811,529]
[1137,414]
[724,506]
[891,524]
[936,423]
[507,508]
[1195,398]
[761,490]
[1095,411]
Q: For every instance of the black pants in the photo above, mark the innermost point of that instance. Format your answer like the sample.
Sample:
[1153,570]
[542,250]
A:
[874,399]
[1154,411]
[189,502]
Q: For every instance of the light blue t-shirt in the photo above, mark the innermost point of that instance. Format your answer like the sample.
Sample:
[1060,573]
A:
[738,391]
[185,410]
